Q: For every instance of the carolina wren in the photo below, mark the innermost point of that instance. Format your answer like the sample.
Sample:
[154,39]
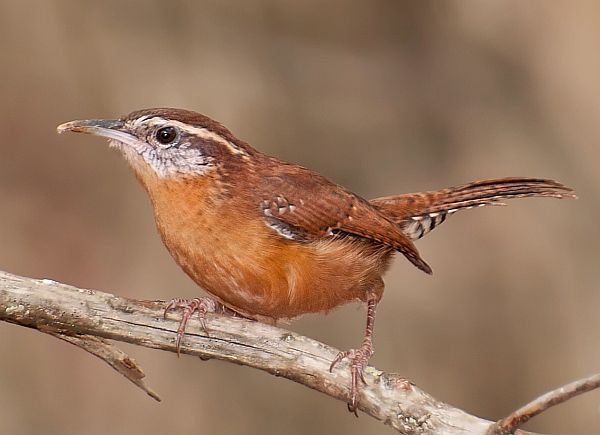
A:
[272,240]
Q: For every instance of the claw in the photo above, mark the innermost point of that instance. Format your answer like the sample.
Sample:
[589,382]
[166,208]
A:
[359,358]
[190,306]
[362,376]
[169,307]
[339,357]
[352,409]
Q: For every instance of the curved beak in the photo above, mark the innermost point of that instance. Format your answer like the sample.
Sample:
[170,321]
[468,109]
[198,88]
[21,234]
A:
[109,128]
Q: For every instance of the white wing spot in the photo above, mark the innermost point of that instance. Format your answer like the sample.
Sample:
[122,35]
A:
[283,230]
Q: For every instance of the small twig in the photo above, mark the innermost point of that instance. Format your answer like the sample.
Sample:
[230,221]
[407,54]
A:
[509,424]
[113,356]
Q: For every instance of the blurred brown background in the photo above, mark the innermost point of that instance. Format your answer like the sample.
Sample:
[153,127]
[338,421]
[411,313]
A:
[382,96]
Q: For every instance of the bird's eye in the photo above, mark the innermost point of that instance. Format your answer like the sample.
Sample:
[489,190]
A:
[166,135]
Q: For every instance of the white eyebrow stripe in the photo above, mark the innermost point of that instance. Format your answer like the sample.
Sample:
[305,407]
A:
[211,135]
[142,119]
[196,131]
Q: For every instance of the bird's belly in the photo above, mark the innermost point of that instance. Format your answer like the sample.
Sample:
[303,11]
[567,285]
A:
[270,279]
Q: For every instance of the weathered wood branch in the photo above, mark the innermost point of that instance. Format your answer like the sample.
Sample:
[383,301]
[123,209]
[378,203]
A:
[88,318]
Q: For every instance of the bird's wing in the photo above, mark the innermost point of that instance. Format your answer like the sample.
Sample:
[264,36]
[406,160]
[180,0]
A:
[303,205]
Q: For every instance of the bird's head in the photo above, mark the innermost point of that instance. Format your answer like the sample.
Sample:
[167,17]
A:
[170,142]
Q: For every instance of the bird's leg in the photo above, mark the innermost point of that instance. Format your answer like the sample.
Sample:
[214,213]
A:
[203,306]
[359,358]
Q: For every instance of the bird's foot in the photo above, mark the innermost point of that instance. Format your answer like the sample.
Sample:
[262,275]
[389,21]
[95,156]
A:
[202,306]
[359,359]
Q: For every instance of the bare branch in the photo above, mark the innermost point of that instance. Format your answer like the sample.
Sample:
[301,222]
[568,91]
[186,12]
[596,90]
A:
[522,415]
[88,318]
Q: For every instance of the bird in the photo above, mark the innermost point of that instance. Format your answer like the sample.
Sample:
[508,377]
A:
[270,240]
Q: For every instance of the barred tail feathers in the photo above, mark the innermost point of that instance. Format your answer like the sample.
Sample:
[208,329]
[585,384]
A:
[419,213]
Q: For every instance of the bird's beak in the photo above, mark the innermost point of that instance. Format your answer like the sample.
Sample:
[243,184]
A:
[109,128]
